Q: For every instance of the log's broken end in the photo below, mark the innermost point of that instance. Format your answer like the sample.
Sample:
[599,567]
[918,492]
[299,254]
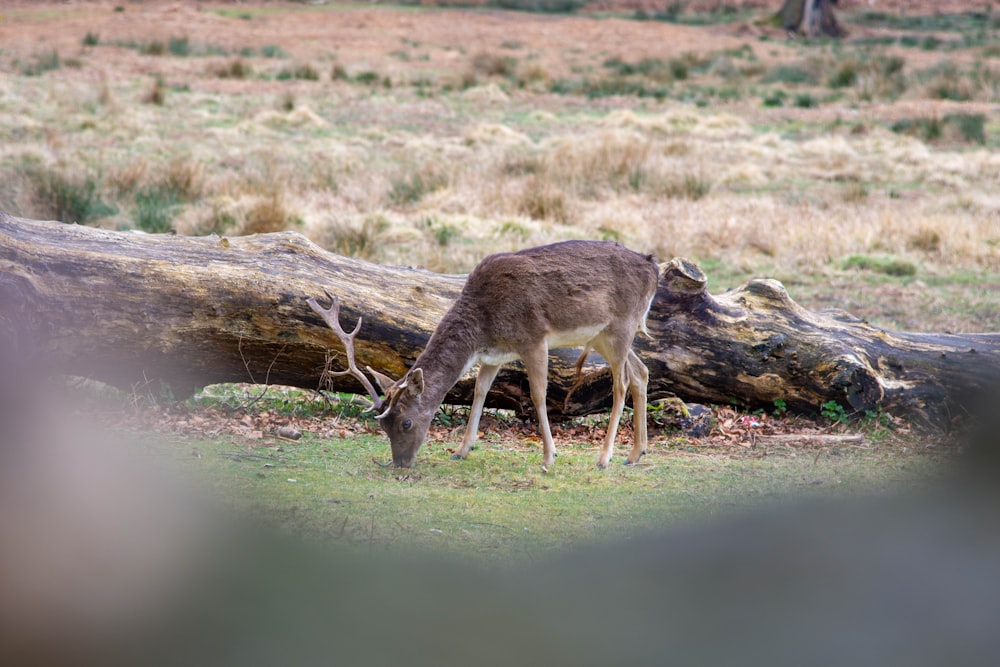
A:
[682,276]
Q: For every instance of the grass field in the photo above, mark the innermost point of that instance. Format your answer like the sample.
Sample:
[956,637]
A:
[861,173]
[498,506]
[379,133]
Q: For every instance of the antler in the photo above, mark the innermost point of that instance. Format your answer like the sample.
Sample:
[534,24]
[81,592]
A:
[331,316]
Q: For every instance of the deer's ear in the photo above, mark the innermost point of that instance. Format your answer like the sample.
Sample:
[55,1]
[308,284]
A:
[414,382]
[383,381]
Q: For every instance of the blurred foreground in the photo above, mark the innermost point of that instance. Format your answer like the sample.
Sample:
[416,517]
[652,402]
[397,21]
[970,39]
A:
[107,559]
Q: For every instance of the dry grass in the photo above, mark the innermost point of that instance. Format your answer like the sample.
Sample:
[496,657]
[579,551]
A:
[428,174]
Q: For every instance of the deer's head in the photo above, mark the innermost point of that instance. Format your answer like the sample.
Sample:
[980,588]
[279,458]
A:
[402,413]
[405,418]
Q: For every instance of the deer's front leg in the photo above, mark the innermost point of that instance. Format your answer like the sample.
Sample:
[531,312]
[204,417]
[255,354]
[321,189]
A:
[487,373]
[536,362]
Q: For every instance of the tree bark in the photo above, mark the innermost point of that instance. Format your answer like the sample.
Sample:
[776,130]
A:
[132,309]
[810,18]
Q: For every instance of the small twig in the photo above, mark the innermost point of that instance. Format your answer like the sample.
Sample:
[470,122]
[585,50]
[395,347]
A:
[135,396]
[819,438]
[239,456]
[267,375]
[239,348]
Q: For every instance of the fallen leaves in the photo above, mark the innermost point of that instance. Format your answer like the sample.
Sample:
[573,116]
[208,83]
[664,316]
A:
[728,430]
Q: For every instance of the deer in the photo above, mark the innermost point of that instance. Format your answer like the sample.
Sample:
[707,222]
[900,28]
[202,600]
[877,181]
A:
[594,294]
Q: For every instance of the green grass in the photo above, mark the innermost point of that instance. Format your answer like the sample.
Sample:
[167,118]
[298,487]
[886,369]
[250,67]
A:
[793,74]
[64,196]
[498,505]
[410,187]
[540,6]
[676,12]
[155,208]
[939,22]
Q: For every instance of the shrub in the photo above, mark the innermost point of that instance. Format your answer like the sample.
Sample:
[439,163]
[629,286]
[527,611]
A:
[890,266]
[972,126]
[775,98]
[657,69]
[931,43]
[541,200]
[63,197]
[442,233]
[411,187]
[154,48]
[157,202]
[157,93]
[969,127]
[268,215]
[220,222]
[946,82]
[834,411]
[155,208]
[491,64]
[805,101]
[845,75]
[367,77]
[671,13]
[362,241]
[855,192]
[41,63]
[303,71]
[541,6]
[692,186]
[928,129]
[91,39]
[926,240]
[237,69]
[338,73]
[179,46]
[183,178]
[272,51]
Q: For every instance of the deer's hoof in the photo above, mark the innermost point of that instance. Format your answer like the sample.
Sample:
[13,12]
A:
[457,457]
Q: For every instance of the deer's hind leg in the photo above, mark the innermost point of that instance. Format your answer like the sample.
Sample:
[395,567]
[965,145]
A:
[638,378]
[616,356]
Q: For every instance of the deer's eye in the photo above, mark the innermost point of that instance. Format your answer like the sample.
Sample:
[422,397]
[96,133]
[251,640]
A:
[407,424]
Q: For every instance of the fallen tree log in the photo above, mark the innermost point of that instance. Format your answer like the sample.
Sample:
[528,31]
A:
[129,308]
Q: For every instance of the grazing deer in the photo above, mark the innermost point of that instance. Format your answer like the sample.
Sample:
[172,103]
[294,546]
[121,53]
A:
[594,294]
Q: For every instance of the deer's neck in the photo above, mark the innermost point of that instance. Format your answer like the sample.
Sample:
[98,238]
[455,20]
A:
[449,353]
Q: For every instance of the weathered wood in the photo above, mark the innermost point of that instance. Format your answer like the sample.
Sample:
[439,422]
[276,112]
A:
[754,345]
[130,308]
